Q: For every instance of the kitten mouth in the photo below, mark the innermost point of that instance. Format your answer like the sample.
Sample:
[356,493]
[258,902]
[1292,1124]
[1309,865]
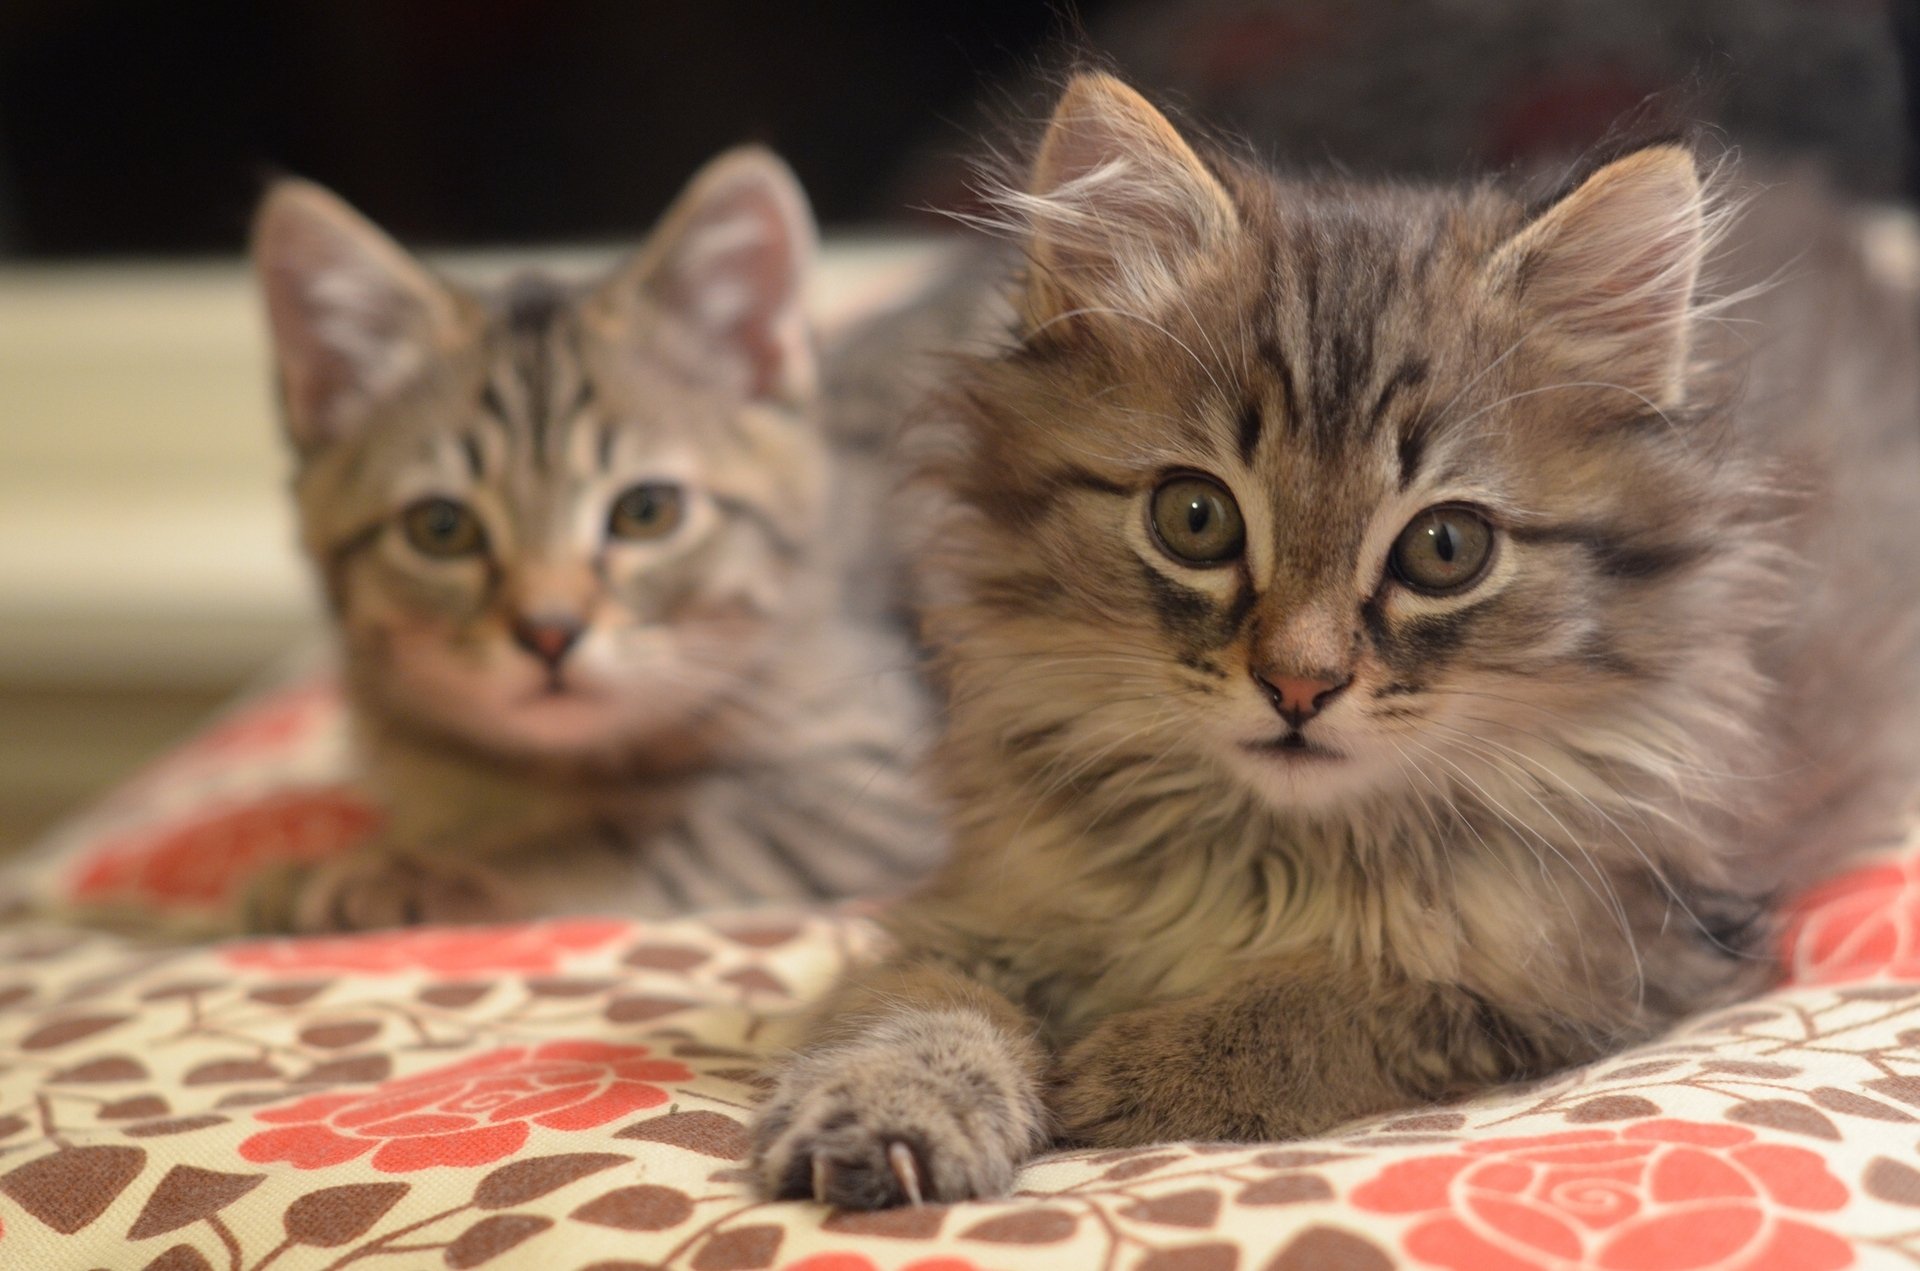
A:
[1292,746]
[556,689]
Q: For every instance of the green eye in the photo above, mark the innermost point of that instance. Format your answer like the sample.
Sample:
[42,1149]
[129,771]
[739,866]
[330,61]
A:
[1444,549]
[650,510]
[1197,521]
[443,528]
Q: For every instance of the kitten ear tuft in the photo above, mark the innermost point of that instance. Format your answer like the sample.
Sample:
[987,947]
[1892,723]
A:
[352,316]
[729,264]
[1117,205]
[1610,270]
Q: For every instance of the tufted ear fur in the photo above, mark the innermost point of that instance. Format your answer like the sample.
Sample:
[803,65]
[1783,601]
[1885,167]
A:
[1610,270]
[352,316]
[726,269]
[1117,205]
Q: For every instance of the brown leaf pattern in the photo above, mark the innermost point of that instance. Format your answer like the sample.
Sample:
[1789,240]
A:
[187,1194]
[122,1121]
[519,1182]
[1893,1182]
[640,1208]
[180,1258]
[1612,1107]
[71,1186]
[493,1236]
[336,1215]
[740,1249]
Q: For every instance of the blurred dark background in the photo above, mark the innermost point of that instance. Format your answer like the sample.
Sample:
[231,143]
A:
[129,126]
[145,127]
[146,568]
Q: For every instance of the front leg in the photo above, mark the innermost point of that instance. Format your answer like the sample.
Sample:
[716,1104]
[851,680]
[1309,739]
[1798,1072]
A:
[1283,1055]
[918,1084]
[373,888]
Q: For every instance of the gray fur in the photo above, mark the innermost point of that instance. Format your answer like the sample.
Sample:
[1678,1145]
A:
[1559,801]
[730,725]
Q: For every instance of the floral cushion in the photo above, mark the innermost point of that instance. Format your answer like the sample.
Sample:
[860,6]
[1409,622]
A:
[574,1094]
[269,781]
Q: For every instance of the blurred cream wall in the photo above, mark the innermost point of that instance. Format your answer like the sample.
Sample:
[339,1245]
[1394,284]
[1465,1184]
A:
[147,552]
[144,534]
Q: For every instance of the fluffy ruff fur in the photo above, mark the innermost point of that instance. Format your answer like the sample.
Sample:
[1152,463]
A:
[1544,813]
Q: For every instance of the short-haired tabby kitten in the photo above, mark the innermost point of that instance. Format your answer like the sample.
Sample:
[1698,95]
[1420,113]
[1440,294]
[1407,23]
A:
[585,549]
[1394,638]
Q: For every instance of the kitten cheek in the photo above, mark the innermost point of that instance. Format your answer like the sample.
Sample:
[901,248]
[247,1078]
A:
[470,662]
[603,663]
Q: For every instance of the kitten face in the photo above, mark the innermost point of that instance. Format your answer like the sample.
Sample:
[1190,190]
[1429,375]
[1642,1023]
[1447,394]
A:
[556,520]
[1346,492]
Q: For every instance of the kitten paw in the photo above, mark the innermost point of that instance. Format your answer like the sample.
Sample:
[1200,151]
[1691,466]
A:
[369,891]
[929,1109]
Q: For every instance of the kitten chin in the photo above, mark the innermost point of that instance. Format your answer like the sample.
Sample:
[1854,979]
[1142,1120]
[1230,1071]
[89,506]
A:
[1291,774]
[1496,501]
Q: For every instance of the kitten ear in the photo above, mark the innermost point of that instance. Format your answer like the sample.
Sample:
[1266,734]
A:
[1118,203]
[353,317]
[728,265]
[1611,269]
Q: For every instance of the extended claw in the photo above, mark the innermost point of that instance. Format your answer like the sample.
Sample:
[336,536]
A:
[906,1171]
[822,1178]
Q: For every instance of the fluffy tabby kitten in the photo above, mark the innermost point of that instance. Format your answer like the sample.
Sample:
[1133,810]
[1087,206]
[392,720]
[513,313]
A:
[1394,640]
[581,546]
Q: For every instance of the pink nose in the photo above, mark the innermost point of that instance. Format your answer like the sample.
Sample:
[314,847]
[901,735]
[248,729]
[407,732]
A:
[1298,698]
[548,639]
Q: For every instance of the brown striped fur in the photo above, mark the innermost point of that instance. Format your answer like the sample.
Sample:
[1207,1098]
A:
[723,727]
[1545,817]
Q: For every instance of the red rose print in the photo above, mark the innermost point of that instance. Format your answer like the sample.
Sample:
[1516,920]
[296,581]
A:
[1859,926]
[471,1113]
[532,948]
[205,861]
[1655,1196]
[270,723]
